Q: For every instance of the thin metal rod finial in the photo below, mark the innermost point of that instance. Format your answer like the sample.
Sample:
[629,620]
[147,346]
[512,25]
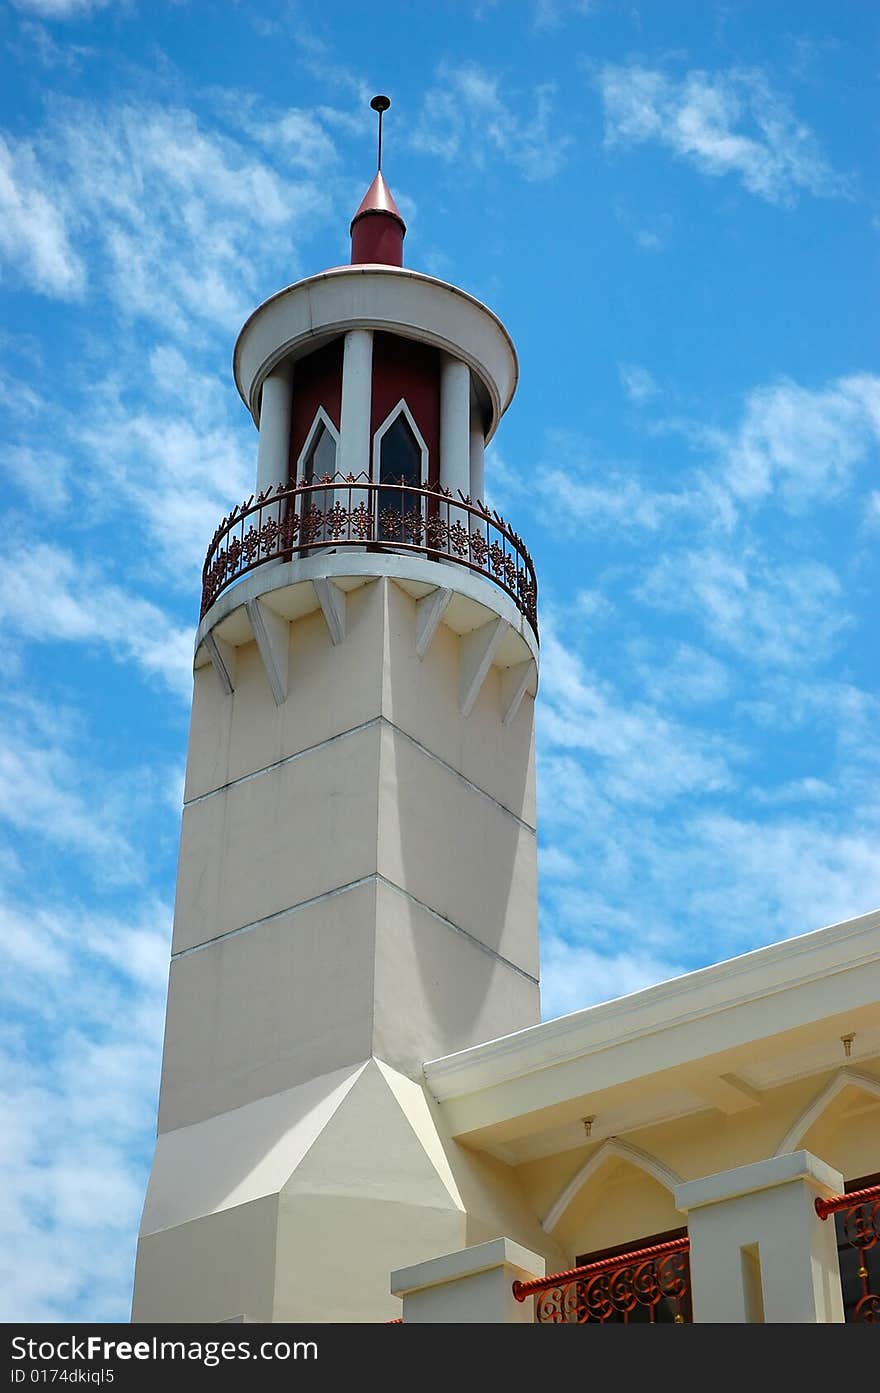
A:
[380,104]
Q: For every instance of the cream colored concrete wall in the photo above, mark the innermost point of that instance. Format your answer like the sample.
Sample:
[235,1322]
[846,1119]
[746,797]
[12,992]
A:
[275,841]
[471,1287]
[367,1191]
[312,984]
[264,1010]
[282,974]
[759,1253]
[211,1269]
[358,1179]
[421,698]
[414,1017]
[245,1019]
[621,1202]
[847,1135]
[332,688]
[458,852]
[240,1155]
[487,1189]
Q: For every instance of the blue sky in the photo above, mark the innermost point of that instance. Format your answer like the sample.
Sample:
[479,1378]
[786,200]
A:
[671,206]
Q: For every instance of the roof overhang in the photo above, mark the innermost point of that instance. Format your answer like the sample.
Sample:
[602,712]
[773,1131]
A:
[299,319]
[711,1038]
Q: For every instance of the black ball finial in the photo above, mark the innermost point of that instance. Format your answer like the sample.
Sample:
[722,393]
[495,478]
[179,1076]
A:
[380,104]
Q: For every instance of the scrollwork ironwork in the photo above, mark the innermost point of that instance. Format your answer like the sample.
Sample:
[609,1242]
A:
[859,1214]
[632,1286]
[346,511]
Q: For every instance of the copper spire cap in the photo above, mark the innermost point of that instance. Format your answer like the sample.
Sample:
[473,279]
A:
[378,199]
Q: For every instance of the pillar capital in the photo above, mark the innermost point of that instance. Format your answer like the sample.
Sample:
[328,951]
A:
[472,1286]
[759,1252]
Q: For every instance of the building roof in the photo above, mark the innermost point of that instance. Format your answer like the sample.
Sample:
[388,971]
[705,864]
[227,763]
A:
[378,199]
[711,1038]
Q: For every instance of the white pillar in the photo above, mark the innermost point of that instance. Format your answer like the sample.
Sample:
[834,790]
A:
[474,1285]
[455,425]
[357,392]
[759,1251]
[477,447]
[273,455]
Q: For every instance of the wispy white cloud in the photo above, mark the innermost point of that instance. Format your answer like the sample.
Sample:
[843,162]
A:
[588,491]
[680,674]
[40,474]
[34,233]
[650,238]
[640,754]
[804,443]
[551,15]
[666,821]
[638,384]
[51,595]
[728,122]
[61,9]
[161,446]
[467,116]
[175,220]
[691,888]
[575,975]
[299,138]
[805,871]
[575,487]
[54,793]
[35,44]
[169,450]
[72,1156]
[795,791]
[767,612]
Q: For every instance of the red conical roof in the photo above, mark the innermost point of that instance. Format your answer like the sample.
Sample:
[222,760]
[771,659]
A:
[378,199]
[377,229]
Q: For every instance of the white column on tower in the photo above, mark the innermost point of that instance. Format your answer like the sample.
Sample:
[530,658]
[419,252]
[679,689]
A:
[455,426]
[273,455]
[357,384]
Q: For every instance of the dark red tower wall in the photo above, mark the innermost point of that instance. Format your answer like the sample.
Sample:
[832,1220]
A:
[404,368]
[317,381]
[376,238]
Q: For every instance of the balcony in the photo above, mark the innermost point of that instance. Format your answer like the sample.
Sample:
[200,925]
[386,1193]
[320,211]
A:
[797,1271]
[334,513]
[649,1285]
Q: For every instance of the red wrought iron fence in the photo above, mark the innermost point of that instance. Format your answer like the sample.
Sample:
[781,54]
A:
[650,1285]
[857,1215]
[334,512]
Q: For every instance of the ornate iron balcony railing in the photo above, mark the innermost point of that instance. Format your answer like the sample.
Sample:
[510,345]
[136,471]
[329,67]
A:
[334,512]
[648,1284]
[859,1228]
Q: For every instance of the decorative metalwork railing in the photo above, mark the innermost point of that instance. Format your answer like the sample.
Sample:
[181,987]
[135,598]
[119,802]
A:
[859,1213]
[296,519]
[651,1285]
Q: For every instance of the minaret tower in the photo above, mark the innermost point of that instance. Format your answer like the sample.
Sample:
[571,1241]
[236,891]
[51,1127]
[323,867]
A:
[357,879]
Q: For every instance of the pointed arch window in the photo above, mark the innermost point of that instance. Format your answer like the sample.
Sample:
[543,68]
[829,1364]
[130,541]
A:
[317,460]
[400,462]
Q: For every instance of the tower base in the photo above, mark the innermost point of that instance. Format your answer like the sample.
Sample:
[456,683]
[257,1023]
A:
[297,1207]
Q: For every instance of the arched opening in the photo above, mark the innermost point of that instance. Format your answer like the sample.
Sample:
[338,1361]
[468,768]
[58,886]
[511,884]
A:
[320,460]
[317,461]
[400,463]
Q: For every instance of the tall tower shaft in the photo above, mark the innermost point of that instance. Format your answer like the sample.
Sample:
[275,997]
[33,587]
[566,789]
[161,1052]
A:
[357,876]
